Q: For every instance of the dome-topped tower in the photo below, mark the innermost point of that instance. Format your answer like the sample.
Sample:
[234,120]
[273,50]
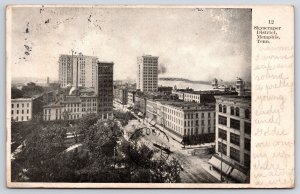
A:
[240,86]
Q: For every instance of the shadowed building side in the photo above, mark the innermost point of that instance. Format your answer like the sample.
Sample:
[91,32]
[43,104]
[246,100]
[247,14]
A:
[104,89]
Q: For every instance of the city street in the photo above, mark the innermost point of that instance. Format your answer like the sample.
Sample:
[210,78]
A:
[192,166]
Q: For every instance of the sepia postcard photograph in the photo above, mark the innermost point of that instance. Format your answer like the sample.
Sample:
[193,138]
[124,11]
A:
[137,96]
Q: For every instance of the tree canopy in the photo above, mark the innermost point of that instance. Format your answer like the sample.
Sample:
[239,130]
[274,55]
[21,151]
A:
[103,155]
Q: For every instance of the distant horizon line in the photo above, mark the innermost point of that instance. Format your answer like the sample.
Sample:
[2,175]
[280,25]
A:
[162,78]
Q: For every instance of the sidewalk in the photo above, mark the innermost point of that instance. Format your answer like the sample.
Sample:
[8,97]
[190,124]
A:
[208,167]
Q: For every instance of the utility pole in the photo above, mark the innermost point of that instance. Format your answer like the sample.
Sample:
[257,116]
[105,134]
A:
[221,160]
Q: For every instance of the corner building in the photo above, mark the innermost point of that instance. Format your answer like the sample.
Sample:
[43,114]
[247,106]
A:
[233,135]
[188,122]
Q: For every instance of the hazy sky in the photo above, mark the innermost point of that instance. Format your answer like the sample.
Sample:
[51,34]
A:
[191,43]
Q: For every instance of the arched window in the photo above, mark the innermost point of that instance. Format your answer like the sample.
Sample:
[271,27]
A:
[232,110]
[224,109]
[247,114]
[220,107]
[237,111]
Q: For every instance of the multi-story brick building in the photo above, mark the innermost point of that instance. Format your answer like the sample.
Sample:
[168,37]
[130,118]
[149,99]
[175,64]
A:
[233,136]
[71,107]
[180,92]
[204,96]
[147,76]
[78,70]
[54,111]
[131,97]
[23,109]
[189,122]
[121,95]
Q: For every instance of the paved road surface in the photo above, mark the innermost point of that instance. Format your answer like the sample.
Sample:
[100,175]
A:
[193,171]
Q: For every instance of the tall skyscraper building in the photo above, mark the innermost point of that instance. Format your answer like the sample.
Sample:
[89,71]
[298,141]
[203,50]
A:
[77,70]
[147,73]
[104,88]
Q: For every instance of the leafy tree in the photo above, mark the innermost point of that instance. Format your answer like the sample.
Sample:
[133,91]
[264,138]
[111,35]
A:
[31,89]
[16,93]
[103,155]
[86,121]
[123,117]
[41,154]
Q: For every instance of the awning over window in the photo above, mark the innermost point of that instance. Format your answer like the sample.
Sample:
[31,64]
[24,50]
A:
[238,175]
[220,165]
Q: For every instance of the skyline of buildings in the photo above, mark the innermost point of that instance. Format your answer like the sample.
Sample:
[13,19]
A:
[221,115]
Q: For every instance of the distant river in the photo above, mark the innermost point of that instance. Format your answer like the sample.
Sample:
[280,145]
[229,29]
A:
[183,85]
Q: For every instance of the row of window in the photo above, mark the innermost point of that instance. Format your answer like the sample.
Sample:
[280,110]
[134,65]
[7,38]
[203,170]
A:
[191,116]
[234,153]
[234,111]
[234,139]
[187,123]
[89,104]
[196,131]
[22,118]
[19,105]
[187,131]
[235,124]
[21,111]
[89,109]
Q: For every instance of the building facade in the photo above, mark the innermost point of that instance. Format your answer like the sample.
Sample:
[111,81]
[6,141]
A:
[180,92]
[21,109]
[233,133]
[204,96]
[53,111]
[71,108]
[89,103]
[121,95]
[188,122]
[131,97]
[77,70]
[104,89]
[147,76]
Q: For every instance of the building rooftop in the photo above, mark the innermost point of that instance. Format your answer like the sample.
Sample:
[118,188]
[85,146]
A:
[21,99]
[72,99]
[88,95]
[105,62]
[53,105]
[214,92]
[149,56]
[77,56]
[186,105]
[246,98]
